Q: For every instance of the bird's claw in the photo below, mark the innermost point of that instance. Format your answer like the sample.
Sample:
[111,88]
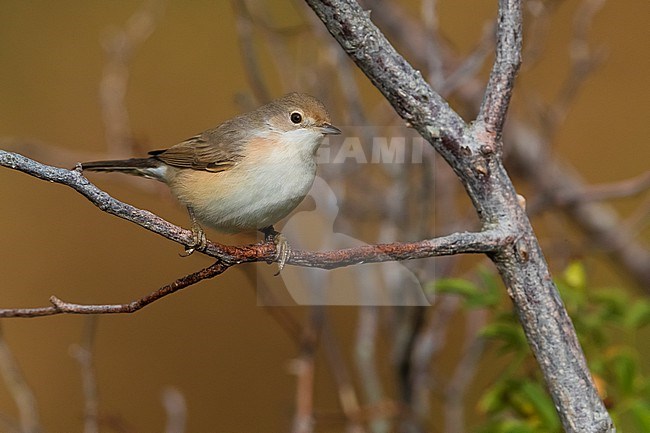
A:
[283,251]
[199,242]
[282,247]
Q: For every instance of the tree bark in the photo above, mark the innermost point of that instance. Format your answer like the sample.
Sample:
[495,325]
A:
[474,153]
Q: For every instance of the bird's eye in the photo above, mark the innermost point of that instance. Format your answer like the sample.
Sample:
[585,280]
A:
[296,117]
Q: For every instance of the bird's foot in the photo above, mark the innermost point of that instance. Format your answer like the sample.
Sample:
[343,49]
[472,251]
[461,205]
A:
[199,241]
[282,247]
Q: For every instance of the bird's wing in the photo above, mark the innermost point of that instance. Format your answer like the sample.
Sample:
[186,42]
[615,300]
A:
[214,150]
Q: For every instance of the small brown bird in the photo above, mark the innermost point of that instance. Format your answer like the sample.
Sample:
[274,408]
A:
[246,174]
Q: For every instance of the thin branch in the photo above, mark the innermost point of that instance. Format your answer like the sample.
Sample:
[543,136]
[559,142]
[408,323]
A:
[599,223]
[345,388]
[19,390]
[472,64]
[176,410]
[431,339]
[508,58]
[435,65]
[594,193]
[120,46]
[481,242]
[304,368]
[83,353]
[60,307]
[248,52]
[365,355]
[75,180]
[456,389]
[584,60]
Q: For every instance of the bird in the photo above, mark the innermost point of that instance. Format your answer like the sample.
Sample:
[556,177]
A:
[246,174]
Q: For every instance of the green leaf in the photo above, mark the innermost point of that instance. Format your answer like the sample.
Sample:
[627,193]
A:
[615,303]
[638,315]
[456,286]
[575,275]
[516,426]
[474,295]
[510,334]
[625,371]
[493,400]
[542,403]
[640,411]
[492,284]
[507,426]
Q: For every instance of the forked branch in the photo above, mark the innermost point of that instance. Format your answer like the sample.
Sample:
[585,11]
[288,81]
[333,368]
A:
[474,154]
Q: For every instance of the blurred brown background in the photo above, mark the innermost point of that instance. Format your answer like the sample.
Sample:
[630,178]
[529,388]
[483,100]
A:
[225,354]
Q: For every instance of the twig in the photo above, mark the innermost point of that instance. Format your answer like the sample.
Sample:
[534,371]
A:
[583,62]
[508,58]
[455,391]
[538,15]
[594,193]
[176,410]
[366,357]
[247,51]
[472,64]
[61,307]
[429,342]
[304,369]
[345,388]
[435,64]
[19,390]
[119,47]
[599,223]
[83,353]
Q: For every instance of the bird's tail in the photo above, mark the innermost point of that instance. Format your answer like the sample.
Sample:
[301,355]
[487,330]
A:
[147,167]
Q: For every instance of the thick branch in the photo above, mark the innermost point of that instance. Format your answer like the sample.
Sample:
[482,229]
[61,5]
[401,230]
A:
[403,86]
[528,153]
[477,162]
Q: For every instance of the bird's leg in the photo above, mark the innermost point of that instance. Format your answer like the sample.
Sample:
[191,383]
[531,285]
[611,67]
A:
[199,241]
[282,247]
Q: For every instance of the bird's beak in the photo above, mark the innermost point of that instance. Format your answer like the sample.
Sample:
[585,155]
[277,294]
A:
[328,129]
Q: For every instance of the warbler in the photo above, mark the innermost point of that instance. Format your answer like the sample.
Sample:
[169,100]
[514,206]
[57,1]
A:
[246,174]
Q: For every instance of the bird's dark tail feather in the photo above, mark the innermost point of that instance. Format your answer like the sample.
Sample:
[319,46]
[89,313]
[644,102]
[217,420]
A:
[146,167]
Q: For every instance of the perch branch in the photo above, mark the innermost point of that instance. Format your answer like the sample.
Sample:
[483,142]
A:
[457,243]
